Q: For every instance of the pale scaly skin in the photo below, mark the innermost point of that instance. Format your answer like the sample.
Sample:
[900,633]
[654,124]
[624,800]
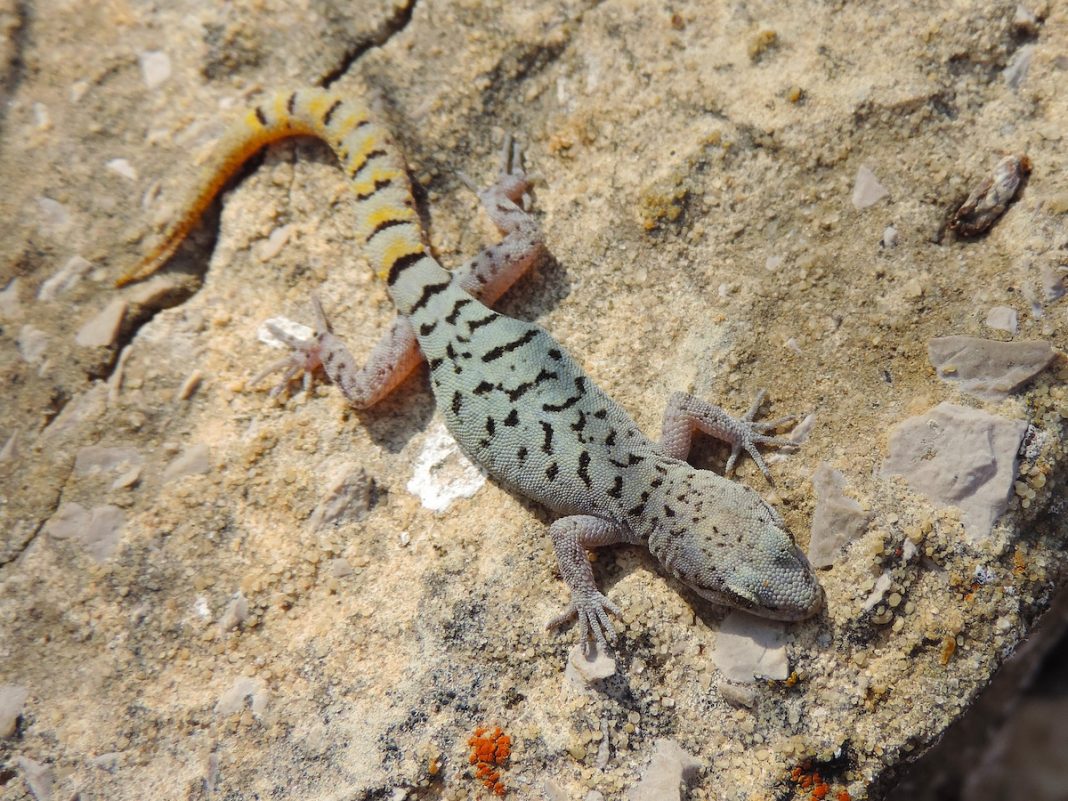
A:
[515,400]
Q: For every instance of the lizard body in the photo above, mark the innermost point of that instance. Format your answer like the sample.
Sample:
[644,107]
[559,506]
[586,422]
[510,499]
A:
[514,399]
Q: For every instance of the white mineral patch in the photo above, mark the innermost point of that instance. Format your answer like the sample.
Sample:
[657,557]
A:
[960,457]
[669,771]
[1002,318]
[294,329]
[837,520]
[12,697]
[585,668]
[65,278]
[194,460]
[986,368]
[155,67]
[748,647]
[889,239]
[102,330]
[878,592]
[442,472]
[867,191]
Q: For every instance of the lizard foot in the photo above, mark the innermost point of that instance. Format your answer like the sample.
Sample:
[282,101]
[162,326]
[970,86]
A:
[305,357]
[512,182]
[748,433]
[592,611]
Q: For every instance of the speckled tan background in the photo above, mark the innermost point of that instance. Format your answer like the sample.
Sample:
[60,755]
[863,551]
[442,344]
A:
[697,163]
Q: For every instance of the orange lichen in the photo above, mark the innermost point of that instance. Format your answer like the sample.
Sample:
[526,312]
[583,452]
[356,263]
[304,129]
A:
[813,786]
[490,749]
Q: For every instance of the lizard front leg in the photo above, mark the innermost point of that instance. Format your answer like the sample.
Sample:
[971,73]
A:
[571,537]
[685,412]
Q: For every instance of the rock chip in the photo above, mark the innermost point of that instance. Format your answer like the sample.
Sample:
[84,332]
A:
[12,697]
[102,330]
[960,457]
[748,647]
[10,307]
[985,368]
[98,530]
[1002,318]
[442,472]
[194,460]
[867,191]
[65,278]
[666,776]
[32,343]
[838,519]
[586,668]
[39,778]
[348,498]
[244,687]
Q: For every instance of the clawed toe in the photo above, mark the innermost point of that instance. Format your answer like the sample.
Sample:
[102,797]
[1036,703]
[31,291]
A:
[593,622]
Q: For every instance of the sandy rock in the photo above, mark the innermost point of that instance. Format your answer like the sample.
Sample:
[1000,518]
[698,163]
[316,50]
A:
[960,457]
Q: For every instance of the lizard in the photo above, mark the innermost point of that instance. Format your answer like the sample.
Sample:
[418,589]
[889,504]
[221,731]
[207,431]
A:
[516,402]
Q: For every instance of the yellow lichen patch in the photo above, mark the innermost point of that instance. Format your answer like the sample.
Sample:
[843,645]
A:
[761,43]
[657,208]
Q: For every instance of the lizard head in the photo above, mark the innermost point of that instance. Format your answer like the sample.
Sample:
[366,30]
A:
[730,546]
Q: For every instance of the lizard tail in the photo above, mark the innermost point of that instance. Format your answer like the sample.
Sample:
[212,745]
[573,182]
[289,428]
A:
[387,220]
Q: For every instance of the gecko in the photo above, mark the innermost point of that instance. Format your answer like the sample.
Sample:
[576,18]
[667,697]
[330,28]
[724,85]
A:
[514,399]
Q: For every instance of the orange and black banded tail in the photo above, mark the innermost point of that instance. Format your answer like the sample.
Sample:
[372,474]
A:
[387,220]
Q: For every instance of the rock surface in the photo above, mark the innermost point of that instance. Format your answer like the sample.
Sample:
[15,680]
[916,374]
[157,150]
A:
[698,165]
